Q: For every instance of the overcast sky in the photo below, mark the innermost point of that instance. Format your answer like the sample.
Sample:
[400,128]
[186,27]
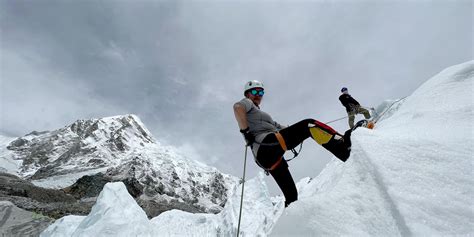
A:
[180,65]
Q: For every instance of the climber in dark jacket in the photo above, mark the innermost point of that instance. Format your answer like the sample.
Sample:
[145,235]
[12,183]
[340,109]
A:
[269,140]
[352,106]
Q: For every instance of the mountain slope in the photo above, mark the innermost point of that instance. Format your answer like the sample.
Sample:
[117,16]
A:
[118,148]
[412,175]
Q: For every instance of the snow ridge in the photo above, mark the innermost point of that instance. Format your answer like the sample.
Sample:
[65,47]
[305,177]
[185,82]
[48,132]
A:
[411,175]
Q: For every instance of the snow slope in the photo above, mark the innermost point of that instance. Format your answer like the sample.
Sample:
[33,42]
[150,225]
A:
[411,175]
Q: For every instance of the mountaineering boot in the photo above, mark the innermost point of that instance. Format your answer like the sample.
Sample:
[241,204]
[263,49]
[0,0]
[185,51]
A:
[366,123]
[328,138]
[347,139]
[361,123]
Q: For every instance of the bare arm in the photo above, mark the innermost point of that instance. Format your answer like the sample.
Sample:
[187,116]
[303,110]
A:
[240,116]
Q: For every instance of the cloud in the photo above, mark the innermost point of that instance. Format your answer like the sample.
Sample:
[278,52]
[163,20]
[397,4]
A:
[34,97]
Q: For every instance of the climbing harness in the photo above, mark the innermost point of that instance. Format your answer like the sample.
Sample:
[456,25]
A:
[242,195]
[282,143]
[295,153]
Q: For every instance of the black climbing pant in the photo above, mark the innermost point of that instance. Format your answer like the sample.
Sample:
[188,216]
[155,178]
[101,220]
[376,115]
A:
[270,151]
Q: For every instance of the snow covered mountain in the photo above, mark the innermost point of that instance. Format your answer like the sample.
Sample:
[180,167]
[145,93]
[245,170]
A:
[411,175]
[117,148]
[86,145]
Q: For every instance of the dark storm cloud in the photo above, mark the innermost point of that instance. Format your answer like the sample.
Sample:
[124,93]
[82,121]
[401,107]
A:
[180,65]
[137,55]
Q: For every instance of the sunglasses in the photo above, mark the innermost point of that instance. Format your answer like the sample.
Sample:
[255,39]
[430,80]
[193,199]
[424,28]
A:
[255,92]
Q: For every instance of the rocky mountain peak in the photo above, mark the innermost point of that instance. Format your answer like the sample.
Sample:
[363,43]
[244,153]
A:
[112,128]
[88,144]
[86,154]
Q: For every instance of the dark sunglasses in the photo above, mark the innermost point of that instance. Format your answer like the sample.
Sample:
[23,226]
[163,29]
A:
[255,92]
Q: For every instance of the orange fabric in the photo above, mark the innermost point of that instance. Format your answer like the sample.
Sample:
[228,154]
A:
[276,163]
[371,125]
[281,141]
[283,145]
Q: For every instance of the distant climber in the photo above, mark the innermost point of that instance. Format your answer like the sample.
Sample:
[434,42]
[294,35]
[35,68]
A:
[352,106]
[269,140]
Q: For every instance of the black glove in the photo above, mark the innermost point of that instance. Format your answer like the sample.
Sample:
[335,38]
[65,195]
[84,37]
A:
[249,138]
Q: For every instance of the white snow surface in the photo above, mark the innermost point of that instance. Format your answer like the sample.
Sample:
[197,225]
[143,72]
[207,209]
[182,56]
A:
[7,164]
[117,214]
[259,211]
[411,175]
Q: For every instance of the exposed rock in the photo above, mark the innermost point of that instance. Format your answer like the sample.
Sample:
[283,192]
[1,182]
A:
[87,186]
[15,221]
[133,187]
[91,185]
[48,202]
[84,128]
[19,142]
[154,208]
[35,133]
[14,186]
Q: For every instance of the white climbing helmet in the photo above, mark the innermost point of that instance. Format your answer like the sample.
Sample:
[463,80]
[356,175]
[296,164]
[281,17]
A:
[253,84]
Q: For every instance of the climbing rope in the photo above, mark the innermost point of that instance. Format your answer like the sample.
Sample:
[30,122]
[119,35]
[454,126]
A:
[335,120]
[389,107]
[377,116]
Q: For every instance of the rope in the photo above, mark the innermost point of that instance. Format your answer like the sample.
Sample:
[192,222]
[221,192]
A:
[369,108]
[335,120]
[242,195]
[380,116]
